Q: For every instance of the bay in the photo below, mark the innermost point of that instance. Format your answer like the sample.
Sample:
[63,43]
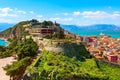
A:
[3,43]
[113,34]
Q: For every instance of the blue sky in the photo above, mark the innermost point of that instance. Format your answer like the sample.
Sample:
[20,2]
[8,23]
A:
[77,12]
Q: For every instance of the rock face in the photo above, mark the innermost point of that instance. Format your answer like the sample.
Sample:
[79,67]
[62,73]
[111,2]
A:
[67,48]
[50,45]
[55,47]
[14,32]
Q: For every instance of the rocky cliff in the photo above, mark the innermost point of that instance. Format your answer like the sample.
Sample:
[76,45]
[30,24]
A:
[14,32]
[68,48]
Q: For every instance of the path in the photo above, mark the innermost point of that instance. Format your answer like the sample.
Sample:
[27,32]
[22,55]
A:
[3,63]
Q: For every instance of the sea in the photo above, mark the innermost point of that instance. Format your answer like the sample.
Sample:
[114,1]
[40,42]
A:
[113,34]
[3,43]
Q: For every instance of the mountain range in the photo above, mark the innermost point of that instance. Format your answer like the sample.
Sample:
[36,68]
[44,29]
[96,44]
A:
[97,27]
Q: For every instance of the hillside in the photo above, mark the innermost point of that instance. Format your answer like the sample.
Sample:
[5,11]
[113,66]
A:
[21,29]
[14,32]
[67,60]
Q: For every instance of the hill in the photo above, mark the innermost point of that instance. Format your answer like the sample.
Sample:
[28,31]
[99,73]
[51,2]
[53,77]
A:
[15,31]
[23,28]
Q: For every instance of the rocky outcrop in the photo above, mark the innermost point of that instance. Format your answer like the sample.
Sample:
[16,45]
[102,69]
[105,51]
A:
[14,32]
[70,49]
[67,48]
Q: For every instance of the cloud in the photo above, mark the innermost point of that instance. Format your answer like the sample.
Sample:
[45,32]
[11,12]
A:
[61,19]
[21,12]
[54,19]
[65,14]
[76,13]
[17,11]
[4,12]
[13,15]
[67,19]
[31,12]
[99,15]
[88,17]
[39,16]
[9,12]
[7,15]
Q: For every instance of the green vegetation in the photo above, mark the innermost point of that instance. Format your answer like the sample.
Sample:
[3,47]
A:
[25,50]
[17,69]
[18,31]
[48,36]
[4,52]
[46,24]
[74,63]
[110,70]
[59,33]
[53,66]
[90,67]
[22,48]
[75,50]
[9,50]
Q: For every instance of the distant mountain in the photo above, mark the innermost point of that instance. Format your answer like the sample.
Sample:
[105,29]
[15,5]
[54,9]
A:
[97,27]
[71,28]
[4,26]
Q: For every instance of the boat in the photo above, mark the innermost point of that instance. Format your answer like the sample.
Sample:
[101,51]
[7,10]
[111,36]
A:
[102,34]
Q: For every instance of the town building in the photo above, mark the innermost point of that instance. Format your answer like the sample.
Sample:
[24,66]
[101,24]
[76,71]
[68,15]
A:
[112,58]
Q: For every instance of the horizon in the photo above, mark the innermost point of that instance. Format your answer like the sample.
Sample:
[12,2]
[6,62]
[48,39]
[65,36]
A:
[63,24]
[63,12]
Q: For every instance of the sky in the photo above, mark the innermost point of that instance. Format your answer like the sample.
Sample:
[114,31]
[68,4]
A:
[70,12]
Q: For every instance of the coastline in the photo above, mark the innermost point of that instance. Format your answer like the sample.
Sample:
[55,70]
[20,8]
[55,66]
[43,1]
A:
[5,41]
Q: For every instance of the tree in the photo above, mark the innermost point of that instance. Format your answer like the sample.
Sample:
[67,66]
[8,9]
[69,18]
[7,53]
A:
[2,48]
[28,48]
[50,23]
[34,21]
[17,69]
[13,44]
[59,33]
